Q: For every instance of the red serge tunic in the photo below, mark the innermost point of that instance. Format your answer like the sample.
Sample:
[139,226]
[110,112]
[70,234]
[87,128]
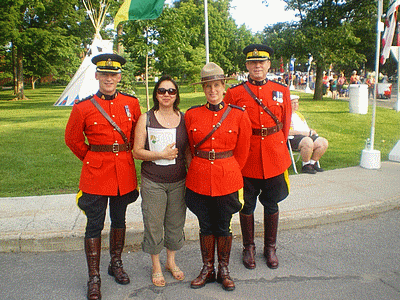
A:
[104,173]
[269,155]
[221,176]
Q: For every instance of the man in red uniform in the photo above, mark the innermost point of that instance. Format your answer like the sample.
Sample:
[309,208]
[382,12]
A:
[265,172]
[108,172]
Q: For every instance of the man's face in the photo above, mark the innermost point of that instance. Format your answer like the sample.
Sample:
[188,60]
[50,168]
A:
[258,69]
[295,104]
[108,82]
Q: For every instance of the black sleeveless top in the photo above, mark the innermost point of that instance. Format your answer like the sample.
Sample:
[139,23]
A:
[170,173]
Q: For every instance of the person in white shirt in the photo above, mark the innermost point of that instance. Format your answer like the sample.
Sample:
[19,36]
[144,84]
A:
[306,140]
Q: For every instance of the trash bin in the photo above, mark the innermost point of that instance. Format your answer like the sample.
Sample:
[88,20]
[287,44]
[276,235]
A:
[358,94]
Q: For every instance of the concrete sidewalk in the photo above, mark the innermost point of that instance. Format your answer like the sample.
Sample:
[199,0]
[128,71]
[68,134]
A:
[55,223]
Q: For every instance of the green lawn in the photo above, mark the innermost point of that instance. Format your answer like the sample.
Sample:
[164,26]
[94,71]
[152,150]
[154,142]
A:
[35,161]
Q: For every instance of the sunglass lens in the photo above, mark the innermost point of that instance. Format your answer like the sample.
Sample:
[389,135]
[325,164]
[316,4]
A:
[170,91]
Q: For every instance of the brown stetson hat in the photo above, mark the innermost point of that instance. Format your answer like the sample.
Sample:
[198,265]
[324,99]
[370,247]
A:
[212,72]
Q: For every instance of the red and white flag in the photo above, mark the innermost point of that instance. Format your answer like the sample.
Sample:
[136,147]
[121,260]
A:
[390,26]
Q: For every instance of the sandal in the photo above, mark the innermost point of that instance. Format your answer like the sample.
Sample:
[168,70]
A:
[175,270]
[156,276]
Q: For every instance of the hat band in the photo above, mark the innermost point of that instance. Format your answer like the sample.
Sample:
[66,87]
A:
[261,54]
[214,77]
[108,63]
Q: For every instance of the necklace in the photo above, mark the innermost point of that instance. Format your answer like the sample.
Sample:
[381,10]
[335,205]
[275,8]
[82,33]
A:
[166,121]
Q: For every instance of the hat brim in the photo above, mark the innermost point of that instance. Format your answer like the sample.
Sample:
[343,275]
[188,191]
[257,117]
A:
[214,79]
[114,71]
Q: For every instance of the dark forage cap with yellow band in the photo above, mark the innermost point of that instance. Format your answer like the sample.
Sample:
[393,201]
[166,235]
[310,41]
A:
[258,52]
[108,63]
[212,72]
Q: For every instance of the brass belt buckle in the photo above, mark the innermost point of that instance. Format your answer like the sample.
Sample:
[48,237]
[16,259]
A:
[264,131]
[115,148]
[211,155]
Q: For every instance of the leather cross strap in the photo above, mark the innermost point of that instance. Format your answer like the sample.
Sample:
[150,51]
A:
[212,155]
[279,125]
[108,118]
[224,115]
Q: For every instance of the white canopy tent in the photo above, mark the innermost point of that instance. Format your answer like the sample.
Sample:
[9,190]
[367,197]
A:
[84,83]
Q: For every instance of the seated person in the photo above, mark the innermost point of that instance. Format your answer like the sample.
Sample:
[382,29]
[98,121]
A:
[306,140]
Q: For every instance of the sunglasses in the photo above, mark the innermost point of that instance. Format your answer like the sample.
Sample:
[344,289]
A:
[162,91]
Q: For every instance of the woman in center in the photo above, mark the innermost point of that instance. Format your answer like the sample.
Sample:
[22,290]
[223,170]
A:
[219,139]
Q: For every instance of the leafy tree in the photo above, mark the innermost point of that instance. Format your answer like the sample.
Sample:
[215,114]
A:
[328,30]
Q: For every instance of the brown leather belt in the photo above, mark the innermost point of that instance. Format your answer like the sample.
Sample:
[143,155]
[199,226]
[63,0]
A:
[267,130]
[115,148]
[212,155]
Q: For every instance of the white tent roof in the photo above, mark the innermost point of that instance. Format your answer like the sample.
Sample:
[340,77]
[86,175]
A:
[84,84]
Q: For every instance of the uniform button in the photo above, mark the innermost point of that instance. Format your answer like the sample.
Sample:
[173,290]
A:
[113,116]
[260,88]
[115,129]
[244,106]
[277,103]
[262,125]
[87,162]
[230,131]
[281,142]
[212,162]
[213,125]
[213,138]
[129,119]
[261,100]
[95,123]
[116,154]
[262,138]
[215,115]
[195,129]
[112,102]
[116,141]
[261,113]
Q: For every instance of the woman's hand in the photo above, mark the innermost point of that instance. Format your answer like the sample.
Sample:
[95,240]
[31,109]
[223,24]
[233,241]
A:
[170,152]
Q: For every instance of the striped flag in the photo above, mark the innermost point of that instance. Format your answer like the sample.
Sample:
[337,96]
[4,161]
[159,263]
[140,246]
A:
[390,26]
[139,10]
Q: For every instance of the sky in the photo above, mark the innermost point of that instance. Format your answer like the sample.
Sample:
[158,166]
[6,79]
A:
[255,15]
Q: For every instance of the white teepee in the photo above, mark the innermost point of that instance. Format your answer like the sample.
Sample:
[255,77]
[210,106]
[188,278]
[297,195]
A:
[84,83]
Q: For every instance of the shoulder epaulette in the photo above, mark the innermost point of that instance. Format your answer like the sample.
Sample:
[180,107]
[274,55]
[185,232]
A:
[84,99]
[236,85]
[129,95]
[283,84]
[237,107]
[195,106]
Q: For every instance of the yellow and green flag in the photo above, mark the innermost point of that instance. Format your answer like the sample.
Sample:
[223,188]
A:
[139,10]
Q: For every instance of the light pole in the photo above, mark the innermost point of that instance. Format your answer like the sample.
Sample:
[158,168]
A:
[370,158]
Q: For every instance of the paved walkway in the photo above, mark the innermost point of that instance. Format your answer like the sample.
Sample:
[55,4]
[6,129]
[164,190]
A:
[55,223]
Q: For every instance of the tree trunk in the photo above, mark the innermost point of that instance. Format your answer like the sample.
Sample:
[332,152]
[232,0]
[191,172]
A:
[20,75]
[14,67]
[318,93]
[120,47]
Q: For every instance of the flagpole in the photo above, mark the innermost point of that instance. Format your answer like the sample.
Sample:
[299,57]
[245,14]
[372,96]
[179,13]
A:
[370,158]
[206,31]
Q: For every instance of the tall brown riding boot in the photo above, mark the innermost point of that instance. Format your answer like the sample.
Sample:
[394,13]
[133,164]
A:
[224,245]
[92,250]
[249,248]
[207,273]
[270,232]
[115,268]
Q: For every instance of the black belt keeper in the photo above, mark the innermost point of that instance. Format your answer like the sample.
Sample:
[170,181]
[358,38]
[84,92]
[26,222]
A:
[115,148]
[212,155]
